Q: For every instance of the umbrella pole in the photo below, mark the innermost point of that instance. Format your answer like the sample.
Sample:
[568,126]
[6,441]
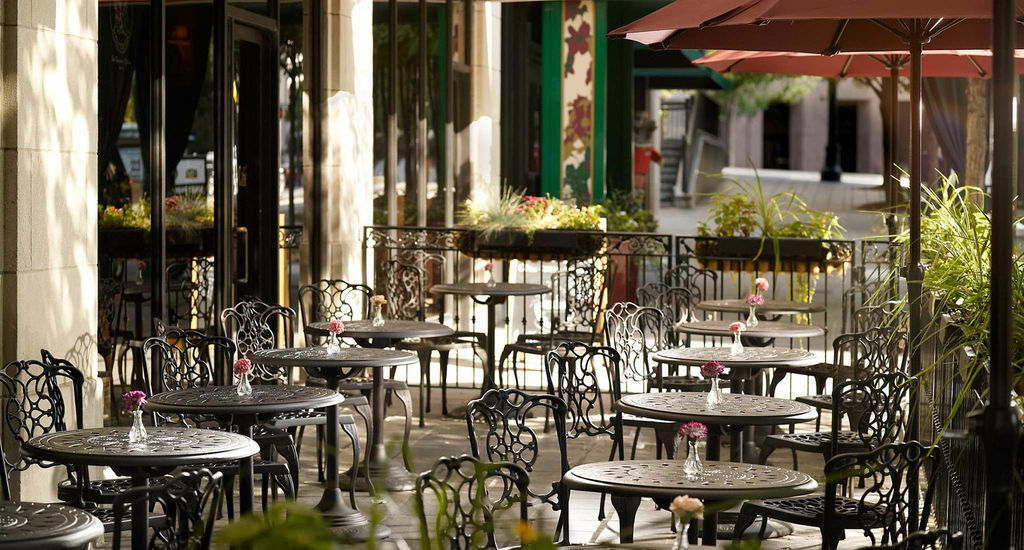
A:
[999,425]
[891,185]
[915,271]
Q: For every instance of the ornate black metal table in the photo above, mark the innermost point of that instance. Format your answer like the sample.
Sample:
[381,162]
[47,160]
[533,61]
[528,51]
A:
[224,403]
[764,329]
[331,367]
[751,360]
[770,307]
[383,336]
[490,295]
[164,450]
[663,480]
[46,526]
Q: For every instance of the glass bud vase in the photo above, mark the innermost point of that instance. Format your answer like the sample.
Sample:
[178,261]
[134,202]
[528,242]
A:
[714,394]
[752,317]
[138,432]
[489,278]
[737,346]
[333,347]
[692,465]
[243,387]
[378,316]
[682,540]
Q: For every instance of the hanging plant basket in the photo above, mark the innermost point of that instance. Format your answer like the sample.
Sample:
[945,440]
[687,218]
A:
[755,254]
[543,245]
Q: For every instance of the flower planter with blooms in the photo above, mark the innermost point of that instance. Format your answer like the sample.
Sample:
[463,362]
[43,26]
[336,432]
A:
[736,329]
[489,274]
[242,369]
[141,267]
[335,327]
[693,432]
[378,301]
[753,300]
[711,371]
[133,402]
[687,509]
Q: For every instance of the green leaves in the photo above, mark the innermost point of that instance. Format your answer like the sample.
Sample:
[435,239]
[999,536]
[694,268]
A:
[285,525]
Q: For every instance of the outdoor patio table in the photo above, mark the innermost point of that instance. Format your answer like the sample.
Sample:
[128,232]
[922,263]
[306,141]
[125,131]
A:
[383,336]
[229,408]
[330,366]
[46,526]
[770,307]
[764,329]
[662,480]
[752,359]
[164,450]
[737,410]
[490,295]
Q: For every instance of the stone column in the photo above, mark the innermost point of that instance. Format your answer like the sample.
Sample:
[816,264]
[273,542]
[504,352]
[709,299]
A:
[346,200]
[48,280]
[485,128]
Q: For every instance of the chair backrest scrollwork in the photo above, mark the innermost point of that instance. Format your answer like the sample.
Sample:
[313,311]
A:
[252,325]
[637,333]
[574,370]
[182,359]
[330,299]
[190,501]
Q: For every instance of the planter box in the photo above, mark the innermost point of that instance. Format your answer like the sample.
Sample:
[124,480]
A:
[757,254]
[135,243]
[545,245]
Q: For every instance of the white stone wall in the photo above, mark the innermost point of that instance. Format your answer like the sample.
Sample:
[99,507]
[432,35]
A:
[48,279]
[485,128]
[347,199]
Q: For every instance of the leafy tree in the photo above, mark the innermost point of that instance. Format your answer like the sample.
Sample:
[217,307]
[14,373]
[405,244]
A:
[752,93]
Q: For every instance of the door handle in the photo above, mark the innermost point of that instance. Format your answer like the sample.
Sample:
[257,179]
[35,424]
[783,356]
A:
[241,249]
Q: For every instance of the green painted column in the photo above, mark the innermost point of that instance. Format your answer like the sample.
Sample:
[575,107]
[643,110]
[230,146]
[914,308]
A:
[551,110]
[619,111]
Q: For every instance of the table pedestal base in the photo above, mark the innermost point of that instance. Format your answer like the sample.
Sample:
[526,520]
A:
[347,524]
[395,476]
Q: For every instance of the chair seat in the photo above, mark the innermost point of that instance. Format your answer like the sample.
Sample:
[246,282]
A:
[821,369]
[260,466]
[808,510]
[817,441]
[106,517]
[821,401]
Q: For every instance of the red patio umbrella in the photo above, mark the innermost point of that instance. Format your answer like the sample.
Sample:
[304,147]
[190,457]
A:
[834,26]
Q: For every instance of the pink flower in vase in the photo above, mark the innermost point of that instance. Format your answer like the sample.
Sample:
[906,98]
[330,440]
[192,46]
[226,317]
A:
[336,327]
[694,431]
[712,369]
[736,327]
[761,284]
[755,300]
[377,300]
[133,400]
[488,266]
[141,265]
[242,366]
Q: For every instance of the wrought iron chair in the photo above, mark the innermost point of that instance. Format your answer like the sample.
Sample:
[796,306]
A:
[251,324]
[114,342]
[576,303]
[405,288]
[876,409]
[469,493]
[637,333]
[573,371]
[182,359]
[925,540]
[189,500]
[509,437]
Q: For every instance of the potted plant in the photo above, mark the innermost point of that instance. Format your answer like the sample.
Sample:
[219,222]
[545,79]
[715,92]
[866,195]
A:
[528,228]
[751,231]
[188,223]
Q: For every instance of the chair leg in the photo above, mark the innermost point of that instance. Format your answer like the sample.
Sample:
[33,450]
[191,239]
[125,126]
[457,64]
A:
[636,440]
[405,397]
[290,455]
[365,413]
[444,381]
[320,435]
[767,448]
[297,433]
[501,367]
[352,431]
[229,495]
[743,521]
[777,377]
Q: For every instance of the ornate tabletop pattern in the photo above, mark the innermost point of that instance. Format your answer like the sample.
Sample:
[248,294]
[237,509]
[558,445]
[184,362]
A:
[736,408]
[483,289]
[319,358]
[225,399]
[770,307]
[666,477]
[751,357]
[764,329]
[39,525]
[165,445]
[393,329]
